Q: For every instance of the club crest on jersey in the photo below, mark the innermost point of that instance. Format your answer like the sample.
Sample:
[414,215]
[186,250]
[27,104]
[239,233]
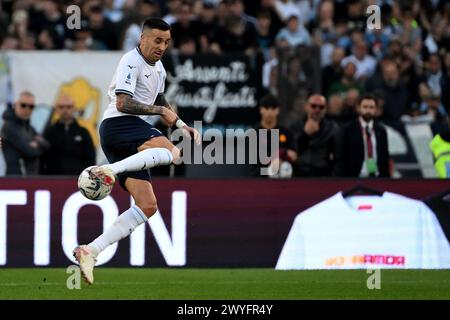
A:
[128,79]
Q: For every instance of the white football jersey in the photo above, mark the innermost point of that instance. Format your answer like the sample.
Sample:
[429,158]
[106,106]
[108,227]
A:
[137,77]
[359,232]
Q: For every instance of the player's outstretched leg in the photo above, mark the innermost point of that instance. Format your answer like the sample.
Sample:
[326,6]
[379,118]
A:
[145,206]
[145,159]
[123,226]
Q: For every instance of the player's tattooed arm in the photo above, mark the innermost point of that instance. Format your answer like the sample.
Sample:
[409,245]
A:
[162,101]
[127,104]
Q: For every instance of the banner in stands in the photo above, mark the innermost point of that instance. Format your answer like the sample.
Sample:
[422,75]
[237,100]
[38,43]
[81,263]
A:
[49,74]
[219,89]
[233,223]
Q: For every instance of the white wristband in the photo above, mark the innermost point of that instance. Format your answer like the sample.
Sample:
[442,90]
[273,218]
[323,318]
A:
[180,124]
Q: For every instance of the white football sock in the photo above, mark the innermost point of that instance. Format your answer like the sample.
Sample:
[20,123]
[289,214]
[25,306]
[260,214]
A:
[122,227]
[142,160]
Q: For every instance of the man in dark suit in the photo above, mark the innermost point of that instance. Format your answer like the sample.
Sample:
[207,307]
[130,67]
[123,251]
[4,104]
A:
[362,146]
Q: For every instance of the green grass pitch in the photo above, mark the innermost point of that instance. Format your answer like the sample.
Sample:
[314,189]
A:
[223,284]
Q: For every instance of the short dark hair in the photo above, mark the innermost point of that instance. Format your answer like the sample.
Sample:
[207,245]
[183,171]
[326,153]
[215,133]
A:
[269,100]
[368,96]
[264,14]
[155,23]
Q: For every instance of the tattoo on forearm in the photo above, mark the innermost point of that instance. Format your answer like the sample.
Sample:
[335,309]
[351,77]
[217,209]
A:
[131,106]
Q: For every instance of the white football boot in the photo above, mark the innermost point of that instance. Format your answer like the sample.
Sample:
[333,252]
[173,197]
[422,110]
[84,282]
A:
[86,259]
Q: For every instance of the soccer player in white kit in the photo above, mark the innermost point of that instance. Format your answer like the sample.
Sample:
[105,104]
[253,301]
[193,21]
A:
[131,144]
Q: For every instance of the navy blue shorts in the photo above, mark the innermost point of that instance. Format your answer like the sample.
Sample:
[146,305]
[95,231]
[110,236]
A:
[120,138]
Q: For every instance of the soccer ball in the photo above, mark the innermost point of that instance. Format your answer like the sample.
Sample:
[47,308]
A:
[92,187]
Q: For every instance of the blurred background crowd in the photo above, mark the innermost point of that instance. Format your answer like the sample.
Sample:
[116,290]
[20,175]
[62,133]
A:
[309,48]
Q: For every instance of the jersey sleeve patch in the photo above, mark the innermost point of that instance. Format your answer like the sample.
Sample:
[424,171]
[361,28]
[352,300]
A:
[127,74]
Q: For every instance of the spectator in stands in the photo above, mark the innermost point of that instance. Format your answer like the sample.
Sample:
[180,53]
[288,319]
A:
[47,14]
[294,34]
[333,72]
[173,7]
[48,40]
[286,9]
[71,147]
[378,42]
[18,30]
[270,64]
[324,33]
[335,109]
[396,96]
[83,40]
[433,34]
[269,108]
[362,145]
[342,34]
[440,147]
[265,37]
[434,77]
[22,145]
[324,25]
[3,25]
[315,138]
[236,36]
[236,8]
[222,13]
[10,43]
[187,46]
[273,81]
[132,24]
[379,96]
[446,81]
[433,106]
[276,22]
[406,26]
[356,17]
[103,30]
[346,82]
[431,109]
[365,63]
[208,24]
[131,33]
[148,8]
[342,109]
[28,42]
[293,84]
[113,10]
[186,26]
[405,58]
[350,105]
[394,50]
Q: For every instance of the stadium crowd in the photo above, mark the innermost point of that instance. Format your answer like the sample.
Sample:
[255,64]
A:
[405,64]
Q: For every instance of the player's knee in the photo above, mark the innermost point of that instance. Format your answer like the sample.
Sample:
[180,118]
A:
[148,208]
[176,154]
